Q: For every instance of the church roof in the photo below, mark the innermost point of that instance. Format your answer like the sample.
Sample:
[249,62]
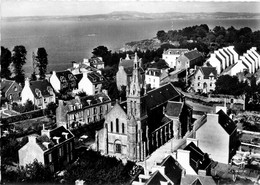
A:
[161,95]
[174,108]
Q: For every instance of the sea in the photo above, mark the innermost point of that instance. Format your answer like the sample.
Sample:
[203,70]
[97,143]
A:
[66,40]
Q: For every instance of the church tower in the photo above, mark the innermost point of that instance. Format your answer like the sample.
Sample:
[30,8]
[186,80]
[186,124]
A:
[137,114]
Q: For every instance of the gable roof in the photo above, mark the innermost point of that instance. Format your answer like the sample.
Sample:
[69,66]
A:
[198,159]
[95,61]
[197,179]
[66,74]
[153,72]
[173,51]
[56,132]
[207,71]
[6,84]
[174,108]
[229,67]
[226,122]
[95,77]
[161,95]
[156,178]
[117,107]
[173,169]
[191,55]
[43,86]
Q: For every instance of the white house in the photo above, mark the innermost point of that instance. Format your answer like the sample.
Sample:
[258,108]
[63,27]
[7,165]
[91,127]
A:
[171,55]
[235,68]
[253,49]
[90,83]
[246,63]
[154,77]
[39,92]
[63,80]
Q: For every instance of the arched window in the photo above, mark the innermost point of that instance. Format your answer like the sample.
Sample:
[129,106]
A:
[111,126]
[123,128]
[117,146]
[117,125]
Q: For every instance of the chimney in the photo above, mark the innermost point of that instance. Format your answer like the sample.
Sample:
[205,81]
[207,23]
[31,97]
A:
[65,134]
[202,172]
[46,144]
[57,139]
[45,131]
[101,98]
[183,157]
[27,82]
[224,108]
[161,169]
[127,57]
[32,138]
[213,118]
[189,140]
[54,73]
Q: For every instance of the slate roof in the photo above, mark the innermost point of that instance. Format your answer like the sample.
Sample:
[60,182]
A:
[156,178]
[66,74]
[175,51]
[197,180]
[207,71]
[43,86]
[226,122]
[174,108]
[161,95]
[153,72]
[6,84]
[95,77]
[198,159]
[78,77]
[56,132]
[95,99]
[173,169]
[191,55]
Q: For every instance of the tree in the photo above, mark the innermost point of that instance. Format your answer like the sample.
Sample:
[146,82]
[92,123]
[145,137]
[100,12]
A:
[18,60]
[5,62]
[42,61]
[102,51]
[162,36]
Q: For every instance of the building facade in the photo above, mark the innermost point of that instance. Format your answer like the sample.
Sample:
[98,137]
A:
[53,148]
[10,90]
[82,110]
[40,92]
[204,79]
[155,77]
[171,55]
[189,59]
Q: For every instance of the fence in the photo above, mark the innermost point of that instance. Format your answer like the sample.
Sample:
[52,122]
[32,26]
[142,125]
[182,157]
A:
[23,116]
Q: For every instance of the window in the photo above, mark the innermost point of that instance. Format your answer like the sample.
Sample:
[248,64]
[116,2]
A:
[118,148]
[10,96]
[95,110]
[101,109]
[198,84]
[199,77]
[50,158]
[15,88]
[111,126]
[117,125]
[60,152]
[123,128]
[210,84]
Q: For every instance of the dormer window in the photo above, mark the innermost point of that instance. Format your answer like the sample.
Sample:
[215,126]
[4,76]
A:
[50,90]
[71,77]
[38,92]
[62,79]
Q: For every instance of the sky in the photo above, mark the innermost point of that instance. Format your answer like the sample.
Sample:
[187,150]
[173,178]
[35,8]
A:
[10,8]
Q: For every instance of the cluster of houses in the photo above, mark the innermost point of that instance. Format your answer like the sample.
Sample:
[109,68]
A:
[154,113]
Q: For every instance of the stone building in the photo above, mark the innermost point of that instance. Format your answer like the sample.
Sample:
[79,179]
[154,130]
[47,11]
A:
[133,129]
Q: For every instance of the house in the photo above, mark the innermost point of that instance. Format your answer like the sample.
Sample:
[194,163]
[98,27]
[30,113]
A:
[181,116]
[189,60]
[133,129]
[54,147]
[96,62]
[82,110]
[193,159]
[125,71]
[171,55]
[235,68]
[204,79]
[90,82]
[217,136]
[168,171]
[197,180]
[63,81]
[10,90]
[81,67]
[155,77]
[40,92]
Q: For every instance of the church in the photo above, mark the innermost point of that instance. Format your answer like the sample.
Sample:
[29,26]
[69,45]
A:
[135,128]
